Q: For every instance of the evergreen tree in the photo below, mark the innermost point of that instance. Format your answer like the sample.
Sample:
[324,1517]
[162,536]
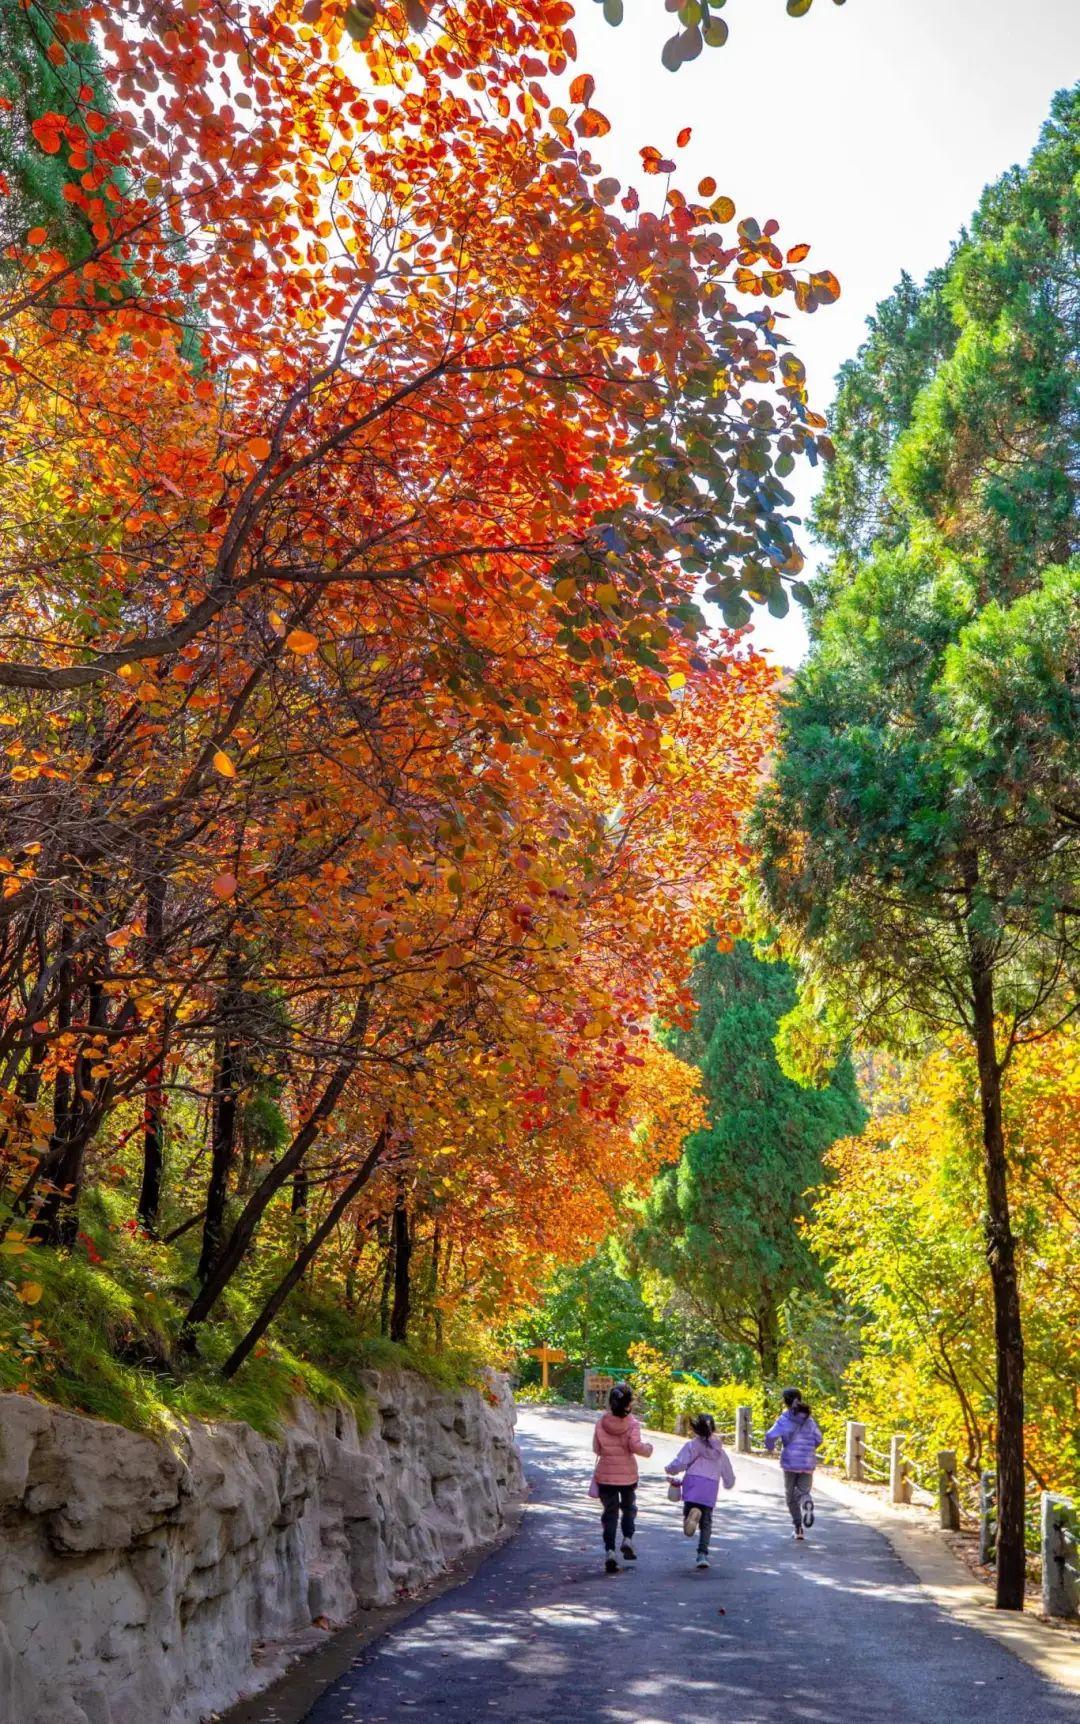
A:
[722,1224]
[921,832]
[40,72]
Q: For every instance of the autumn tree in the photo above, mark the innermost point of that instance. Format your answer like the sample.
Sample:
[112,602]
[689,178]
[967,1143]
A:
[899,1228]
[363,726]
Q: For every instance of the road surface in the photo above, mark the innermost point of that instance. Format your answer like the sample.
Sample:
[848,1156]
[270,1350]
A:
[834,1632]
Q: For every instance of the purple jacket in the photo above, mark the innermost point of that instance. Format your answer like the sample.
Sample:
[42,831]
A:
[705,1465]
[798,1436]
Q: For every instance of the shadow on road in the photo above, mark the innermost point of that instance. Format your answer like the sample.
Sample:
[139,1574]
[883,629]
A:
[836,1632]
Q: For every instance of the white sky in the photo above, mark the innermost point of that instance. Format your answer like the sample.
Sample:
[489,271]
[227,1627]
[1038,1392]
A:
[868,129]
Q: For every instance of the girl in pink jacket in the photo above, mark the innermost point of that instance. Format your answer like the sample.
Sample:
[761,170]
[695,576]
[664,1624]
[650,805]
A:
[616,1441]
[705,1466]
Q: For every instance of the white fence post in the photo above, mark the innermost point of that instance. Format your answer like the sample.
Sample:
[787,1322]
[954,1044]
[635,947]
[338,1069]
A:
[897,1481]
[1060,1527]
[854,1446]
[948,1496]
[987,1518]
[743,1416]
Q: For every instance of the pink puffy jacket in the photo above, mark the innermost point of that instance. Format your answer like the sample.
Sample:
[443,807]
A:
[617,1441]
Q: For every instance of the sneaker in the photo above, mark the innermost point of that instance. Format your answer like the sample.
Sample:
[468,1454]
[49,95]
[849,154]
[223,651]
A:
[691,1521]
[611,1566]
[808,1511]
[702,1561]
[798,1537]
[629,1553]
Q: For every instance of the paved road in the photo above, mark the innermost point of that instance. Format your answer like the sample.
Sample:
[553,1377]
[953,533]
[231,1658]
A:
[836,1632]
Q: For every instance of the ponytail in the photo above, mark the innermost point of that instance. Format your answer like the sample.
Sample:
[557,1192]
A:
[793,1401]
[704,1426]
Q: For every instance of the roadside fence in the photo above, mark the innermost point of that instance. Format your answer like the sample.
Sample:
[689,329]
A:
[1054,1521]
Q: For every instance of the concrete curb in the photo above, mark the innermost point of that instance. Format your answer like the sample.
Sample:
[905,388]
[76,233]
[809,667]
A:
[1054,1653]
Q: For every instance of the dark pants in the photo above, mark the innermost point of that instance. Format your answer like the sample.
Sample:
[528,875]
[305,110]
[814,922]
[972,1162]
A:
[704,1531]
[614,1498]
[796,1487]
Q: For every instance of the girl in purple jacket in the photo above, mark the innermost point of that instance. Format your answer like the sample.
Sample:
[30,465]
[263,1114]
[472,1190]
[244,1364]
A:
[705,1464]
[799,1437]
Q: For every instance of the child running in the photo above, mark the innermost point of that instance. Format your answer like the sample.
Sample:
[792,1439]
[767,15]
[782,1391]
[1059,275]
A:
[705,1463]
[799,1437]
[617,1440]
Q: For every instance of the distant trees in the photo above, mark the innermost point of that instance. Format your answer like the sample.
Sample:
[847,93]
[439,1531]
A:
[721,1225]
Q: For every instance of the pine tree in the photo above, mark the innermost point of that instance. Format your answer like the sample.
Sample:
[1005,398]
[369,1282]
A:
[722,1224]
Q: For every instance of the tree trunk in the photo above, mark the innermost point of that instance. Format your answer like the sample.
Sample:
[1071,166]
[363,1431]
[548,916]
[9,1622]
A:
[153,1147]
[305,1257]
[300,1190]
[433,1284]
[354,1262]
[223,1131]
[399,1316]
[385,1236]
[1008,1332]
[768,1337]
[77,1115]
[235,1248]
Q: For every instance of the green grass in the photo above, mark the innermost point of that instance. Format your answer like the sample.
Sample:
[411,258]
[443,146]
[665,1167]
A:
[102,1336]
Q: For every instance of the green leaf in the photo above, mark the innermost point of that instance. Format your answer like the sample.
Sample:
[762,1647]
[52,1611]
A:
[736,612]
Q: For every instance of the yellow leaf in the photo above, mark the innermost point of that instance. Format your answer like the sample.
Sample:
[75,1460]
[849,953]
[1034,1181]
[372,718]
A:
[223,764]
[677,681]
[30,1292]
[299,641]
[606,594]
[566,588]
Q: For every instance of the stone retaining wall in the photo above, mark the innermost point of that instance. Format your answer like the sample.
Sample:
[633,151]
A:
[137,1578]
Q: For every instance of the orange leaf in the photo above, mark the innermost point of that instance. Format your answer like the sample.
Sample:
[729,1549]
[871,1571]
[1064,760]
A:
[826,286]
[299,641]
[707,187]
[223,764]
[582,89]
[593,124]
[683,138]
[224,887]
[797,253]
[37,236]
[259,449]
